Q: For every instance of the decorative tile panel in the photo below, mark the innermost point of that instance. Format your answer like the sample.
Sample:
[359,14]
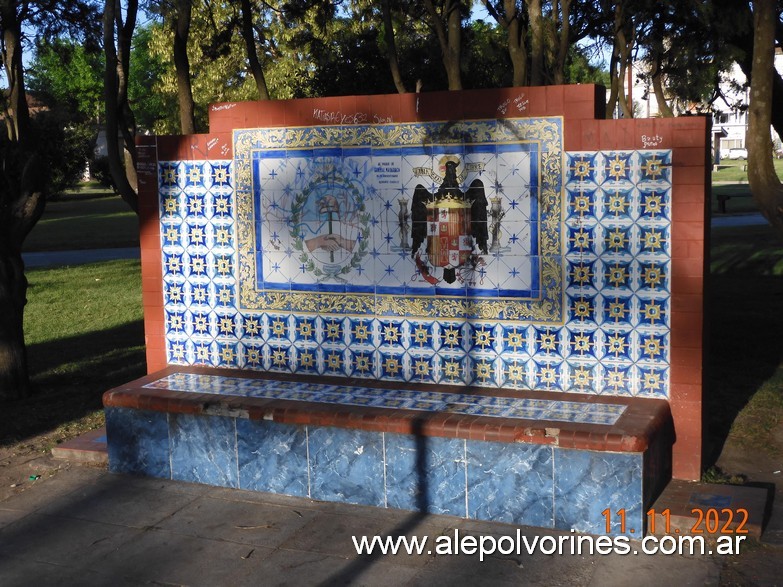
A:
[366,219]
[575,297]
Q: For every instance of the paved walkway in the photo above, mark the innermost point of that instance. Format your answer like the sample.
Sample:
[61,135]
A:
[78,257]
[83,526]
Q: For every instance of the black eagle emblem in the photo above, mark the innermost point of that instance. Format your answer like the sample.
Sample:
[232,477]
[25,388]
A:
[449,189]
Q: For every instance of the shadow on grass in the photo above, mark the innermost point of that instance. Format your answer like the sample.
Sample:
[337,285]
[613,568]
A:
[745,327]
[69,377]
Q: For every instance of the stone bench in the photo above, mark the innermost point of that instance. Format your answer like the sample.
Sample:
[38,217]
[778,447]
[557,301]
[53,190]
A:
[532,458]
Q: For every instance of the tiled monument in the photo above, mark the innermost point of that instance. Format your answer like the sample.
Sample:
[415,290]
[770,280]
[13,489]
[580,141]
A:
[485,303]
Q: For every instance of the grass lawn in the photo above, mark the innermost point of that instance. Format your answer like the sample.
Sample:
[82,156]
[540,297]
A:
[734,171]
[84,220]
[84,334]
[744,395]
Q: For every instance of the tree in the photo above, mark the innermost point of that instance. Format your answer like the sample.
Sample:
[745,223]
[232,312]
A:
[23,180]
[66,71]
[486,56]
[390,46]
[117,36]
[623,41]
[248,34]
[447,23]
[65,77]
[513,19]
[187,120]
[154,111]
[764,183]
[22,201]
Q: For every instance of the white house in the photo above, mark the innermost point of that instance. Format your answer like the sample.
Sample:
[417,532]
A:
[729,110]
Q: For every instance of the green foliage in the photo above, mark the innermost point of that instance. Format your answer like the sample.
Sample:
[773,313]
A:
[67,78]
[486,63]
[217,61]
[66,73]
[579,70]
[62,149]
[155,110]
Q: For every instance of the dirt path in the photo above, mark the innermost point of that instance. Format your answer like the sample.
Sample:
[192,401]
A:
[24,464]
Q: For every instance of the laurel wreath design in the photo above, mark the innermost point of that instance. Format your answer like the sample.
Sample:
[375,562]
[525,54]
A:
[298,209]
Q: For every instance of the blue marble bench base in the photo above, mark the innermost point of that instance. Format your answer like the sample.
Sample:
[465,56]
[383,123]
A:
[529,484]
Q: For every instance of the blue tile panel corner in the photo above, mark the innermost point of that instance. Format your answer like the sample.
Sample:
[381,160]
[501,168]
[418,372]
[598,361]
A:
[138,442]
[593,486]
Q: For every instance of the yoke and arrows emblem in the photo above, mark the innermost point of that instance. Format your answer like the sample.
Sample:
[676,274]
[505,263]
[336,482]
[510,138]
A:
[453,223]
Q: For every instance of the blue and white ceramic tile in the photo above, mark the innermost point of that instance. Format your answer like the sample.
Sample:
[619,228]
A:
[614,260]
[457,403]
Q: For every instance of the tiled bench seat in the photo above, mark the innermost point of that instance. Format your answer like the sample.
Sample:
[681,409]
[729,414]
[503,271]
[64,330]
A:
[527,457]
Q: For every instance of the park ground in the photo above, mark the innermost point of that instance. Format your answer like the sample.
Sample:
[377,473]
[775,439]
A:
[85,335]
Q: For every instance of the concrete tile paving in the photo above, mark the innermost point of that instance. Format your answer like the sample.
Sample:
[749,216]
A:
[85,526]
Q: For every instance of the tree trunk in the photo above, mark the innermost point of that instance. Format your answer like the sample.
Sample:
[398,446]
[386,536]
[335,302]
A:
[620,62]
[625,107]
[17,116]
[449,37]
[657,83]
[252,54]
[187,117]
[391,47]
[117,111]
[537,42]
[614,88]
[14,379]
[22,180]
[764,183]
[454,20]
[745,42]
[517,42]
[516,38]
[564,42]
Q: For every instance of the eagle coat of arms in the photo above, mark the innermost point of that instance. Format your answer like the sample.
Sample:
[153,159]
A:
[452,222]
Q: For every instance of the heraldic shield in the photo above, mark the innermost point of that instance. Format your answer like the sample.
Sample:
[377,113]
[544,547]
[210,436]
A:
[451,221]
[449,242]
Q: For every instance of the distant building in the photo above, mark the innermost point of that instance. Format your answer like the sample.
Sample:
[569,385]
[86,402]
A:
[729,110]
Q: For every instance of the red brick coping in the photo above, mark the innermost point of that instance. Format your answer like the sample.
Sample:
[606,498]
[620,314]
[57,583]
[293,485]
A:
[635,430]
